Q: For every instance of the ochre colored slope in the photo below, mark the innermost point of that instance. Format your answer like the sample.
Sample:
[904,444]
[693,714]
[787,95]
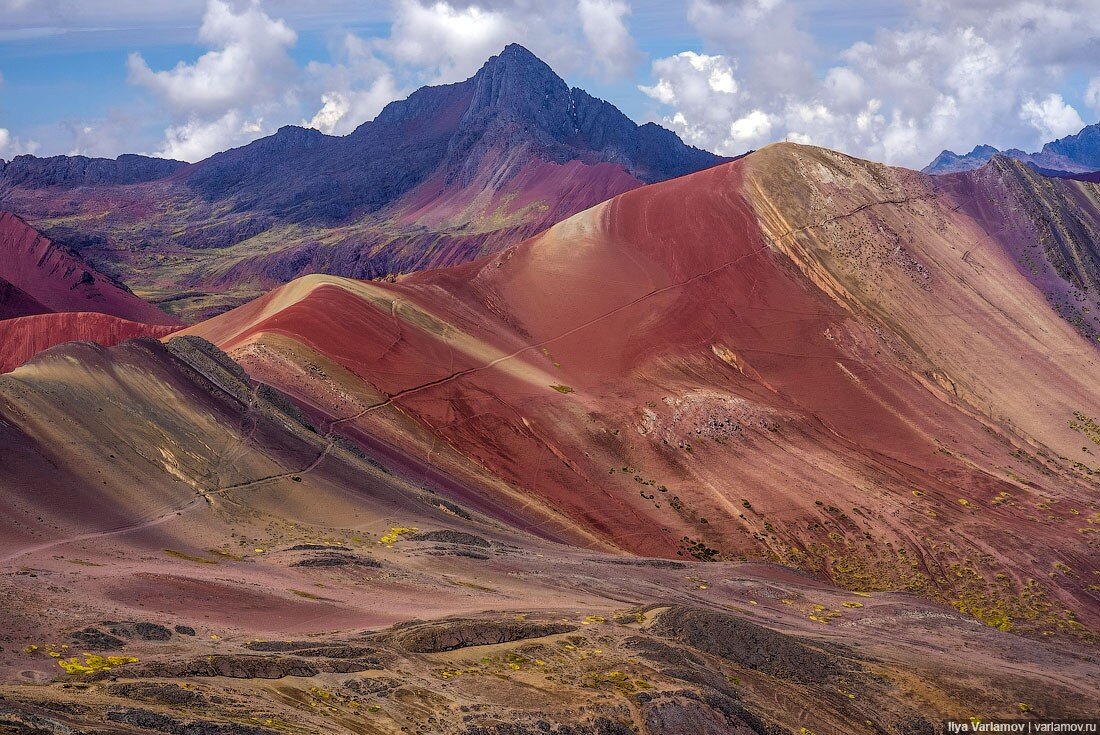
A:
[798,356]
[60,281]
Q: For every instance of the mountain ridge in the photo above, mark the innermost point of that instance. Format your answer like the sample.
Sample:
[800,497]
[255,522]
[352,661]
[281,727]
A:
[450,173]
[1073,154]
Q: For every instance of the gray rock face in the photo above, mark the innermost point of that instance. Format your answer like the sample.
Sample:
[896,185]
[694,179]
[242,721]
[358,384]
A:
[70,171]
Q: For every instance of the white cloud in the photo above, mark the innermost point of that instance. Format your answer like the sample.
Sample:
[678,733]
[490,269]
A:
[1051,116]
[197,139]
[217,100]
[955,73]
[353,89]
[1092,94]
[449,41]
[11,146]
[604,25]
[704,91]
[247,64]
[754,126]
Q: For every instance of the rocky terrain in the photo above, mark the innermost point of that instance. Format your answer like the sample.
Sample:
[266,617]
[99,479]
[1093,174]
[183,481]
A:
[258,573]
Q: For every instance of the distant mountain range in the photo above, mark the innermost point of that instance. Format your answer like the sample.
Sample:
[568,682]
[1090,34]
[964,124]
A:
[1073,154]
[448,174]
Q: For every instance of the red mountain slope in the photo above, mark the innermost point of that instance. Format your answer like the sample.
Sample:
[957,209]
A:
[57,278]
[17,302]
[26,336]
[798,356]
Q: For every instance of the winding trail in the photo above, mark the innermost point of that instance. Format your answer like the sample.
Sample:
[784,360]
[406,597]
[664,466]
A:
[203,496]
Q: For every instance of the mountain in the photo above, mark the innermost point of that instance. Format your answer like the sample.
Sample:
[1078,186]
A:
[514,115]
[449,174]
[1078,153]
[74,171]
[789,429]
[240,567]
[1049,227]
[25,336]
[762,360]
[59,280]
[49,295]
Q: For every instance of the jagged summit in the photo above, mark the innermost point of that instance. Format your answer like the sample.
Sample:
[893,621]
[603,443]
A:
[1079,153]
[65,171]
[449,173]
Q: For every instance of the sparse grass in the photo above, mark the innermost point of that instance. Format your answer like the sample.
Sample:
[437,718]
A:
[93,662]
[394,535]
[1086,425]
[188,557]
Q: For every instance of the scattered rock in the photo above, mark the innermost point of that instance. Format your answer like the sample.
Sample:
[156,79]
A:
[653,563]
[747,644]
[453,634]
[312,650]
[601,726]
[466,553]
[167,724]
[447,536]
[25,723]
[141,631]
[337,560]
[94,639]
[234,666]
[185,630]
[688,717]
[158,693]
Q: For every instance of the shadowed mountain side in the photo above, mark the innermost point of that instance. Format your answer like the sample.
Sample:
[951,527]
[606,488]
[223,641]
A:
[1049,227]
[17,302]
[26,336]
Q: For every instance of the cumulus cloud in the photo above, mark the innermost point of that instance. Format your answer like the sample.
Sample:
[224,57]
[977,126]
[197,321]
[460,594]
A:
[354,88]
[1092,94]
[956,73]
[1051,116]
[197,139]
[604,25]
[218,100]
[11,146]
[450,41]
[704,92]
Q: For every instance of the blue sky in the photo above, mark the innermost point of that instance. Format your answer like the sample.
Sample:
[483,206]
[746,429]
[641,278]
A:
[890,81]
